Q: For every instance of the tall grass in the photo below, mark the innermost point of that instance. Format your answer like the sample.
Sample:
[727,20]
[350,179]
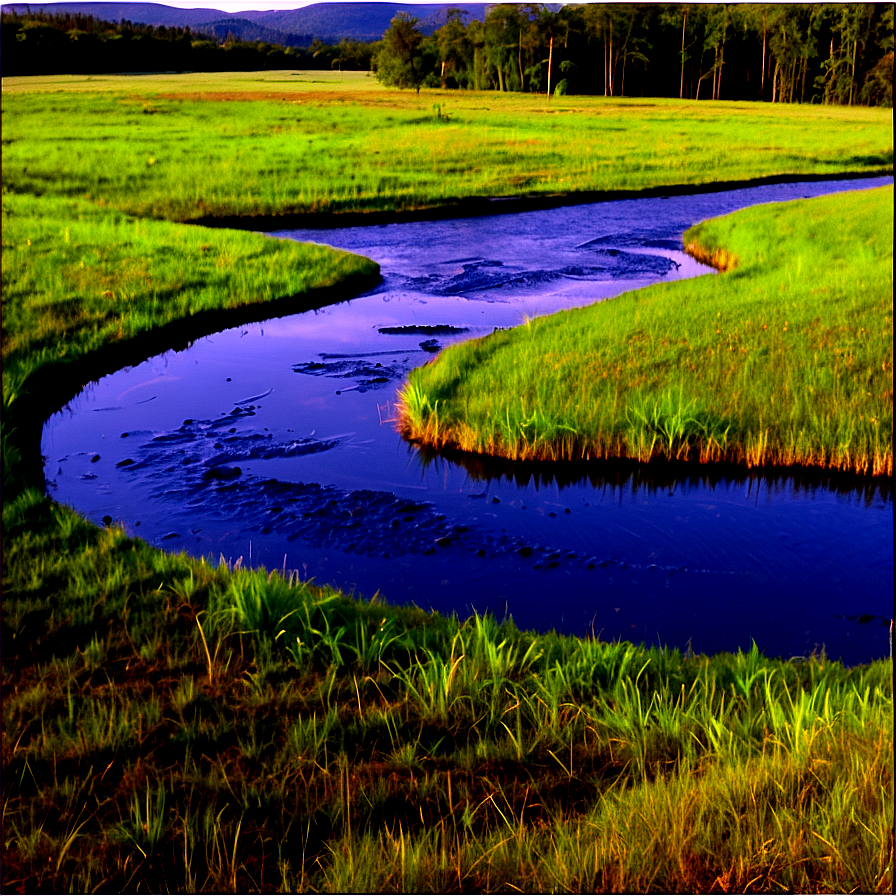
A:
[785,359]
[173,725]
[209,752]
[193,147]
[471,756]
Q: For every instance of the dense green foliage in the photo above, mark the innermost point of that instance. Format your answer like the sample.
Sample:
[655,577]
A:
[36,43]
[170,725]
[818,52]
[786,359]
[398,59]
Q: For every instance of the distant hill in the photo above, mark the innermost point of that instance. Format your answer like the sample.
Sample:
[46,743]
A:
[145,13]
[246,29]
[327,22]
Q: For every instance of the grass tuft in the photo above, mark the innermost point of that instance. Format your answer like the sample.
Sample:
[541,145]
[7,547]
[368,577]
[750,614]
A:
[787,359]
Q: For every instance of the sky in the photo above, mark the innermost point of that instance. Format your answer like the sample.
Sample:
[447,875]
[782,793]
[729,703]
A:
[241,5]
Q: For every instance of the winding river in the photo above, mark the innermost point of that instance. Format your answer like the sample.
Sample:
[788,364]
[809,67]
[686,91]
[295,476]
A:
[274,442]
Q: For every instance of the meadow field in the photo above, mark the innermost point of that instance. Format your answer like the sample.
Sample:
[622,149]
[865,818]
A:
[174,724]
[200,147]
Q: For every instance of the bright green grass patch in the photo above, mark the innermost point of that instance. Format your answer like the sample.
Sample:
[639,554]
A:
[787,359]
[188,147]
[76,276]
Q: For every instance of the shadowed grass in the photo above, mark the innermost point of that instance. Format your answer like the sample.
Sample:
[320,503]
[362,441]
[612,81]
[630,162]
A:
[785,359]
[472,756]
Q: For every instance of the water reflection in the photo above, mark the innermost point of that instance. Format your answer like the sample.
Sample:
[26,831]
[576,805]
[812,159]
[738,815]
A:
[657,476]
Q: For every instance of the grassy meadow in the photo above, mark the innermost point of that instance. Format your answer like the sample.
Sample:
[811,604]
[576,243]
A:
[784,359]
[171,726]
[199,147]
[174,725]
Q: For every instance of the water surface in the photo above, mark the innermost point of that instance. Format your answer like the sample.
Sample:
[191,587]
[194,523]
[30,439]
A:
[275,442]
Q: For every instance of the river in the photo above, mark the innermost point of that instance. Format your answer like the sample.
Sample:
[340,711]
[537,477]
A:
[275,442]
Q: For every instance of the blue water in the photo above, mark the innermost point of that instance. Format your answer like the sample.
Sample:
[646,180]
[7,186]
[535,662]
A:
[275,442]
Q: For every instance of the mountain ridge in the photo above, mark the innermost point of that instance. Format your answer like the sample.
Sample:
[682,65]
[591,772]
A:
[326,22]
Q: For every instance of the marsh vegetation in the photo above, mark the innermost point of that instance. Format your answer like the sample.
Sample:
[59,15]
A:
[200,147]
[170,724]
[785,359]
[174,726]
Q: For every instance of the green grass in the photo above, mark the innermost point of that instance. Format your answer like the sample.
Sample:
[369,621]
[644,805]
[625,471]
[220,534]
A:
[170,725]
[78,279]
[200,146]
[787,358]
[162,731]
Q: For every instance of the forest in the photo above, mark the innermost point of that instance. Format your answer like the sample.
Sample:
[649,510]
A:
[45,44]
[821,52]
[803,53]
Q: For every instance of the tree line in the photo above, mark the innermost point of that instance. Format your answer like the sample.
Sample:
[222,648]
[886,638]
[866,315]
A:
[819,52]
[45,44]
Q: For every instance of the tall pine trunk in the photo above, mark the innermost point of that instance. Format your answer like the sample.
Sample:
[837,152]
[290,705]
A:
[605,66]
[684,22]
[610,57]
[550,63]
[721,66]
[715,75]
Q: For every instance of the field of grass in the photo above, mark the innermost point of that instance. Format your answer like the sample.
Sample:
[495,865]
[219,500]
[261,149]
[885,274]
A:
[787,358]
[169,724]
[199,146]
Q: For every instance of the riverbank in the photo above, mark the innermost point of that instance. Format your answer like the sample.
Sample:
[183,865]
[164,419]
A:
[171,725]
[479,206]
[785,360]
[330,377]
[88,290]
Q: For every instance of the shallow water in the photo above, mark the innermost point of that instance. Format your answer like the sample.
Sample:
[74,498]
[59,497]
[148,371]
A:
[274,442]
